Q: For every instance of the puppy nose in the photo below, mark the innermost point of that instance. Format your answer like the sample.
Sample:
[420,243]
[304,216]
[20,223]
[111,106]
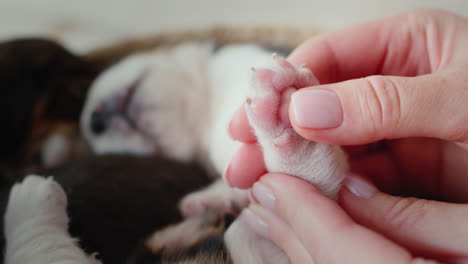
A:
[99,120]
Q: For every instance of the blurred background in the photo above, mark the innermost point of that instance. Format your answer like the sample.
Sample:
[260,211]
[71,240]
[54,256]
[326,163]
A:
[87,24]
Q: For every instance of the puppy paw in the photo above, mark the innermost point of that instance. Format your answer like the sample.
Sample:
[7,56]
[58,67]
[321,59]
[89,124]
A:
[39,200]
[218,197]
[284,150]
[272,88]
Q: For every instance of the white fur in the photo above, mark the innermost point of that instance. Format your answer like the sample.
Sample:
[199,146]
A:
[284,150]
[36,225]
[184,103]
[55,150]
[247,247]
[182,108]
[167,105]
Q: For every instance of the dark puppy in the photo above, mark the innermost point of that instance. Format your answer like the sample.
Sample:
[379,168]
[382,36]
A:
[43,88]
[115,202]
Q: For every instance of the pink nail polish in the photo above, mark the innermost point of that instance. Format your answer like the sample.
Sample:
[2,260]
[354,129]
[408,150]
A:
[263,195]
[255,222]
[317,108]
[359,186]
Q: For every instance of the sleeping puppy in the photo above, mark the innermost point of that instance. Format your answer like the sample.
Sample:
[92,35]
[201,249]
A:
[179,101]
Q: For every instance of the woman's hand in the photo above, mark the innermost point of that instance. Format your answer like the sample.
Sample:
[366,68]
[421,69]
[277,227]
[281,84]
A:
[311,228]
[401,82]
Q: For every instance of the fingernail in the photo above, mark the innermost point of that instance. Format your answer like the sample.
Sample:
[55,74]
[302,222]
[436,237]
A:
[316,108]
[263,195]
[359,186]
[255,222]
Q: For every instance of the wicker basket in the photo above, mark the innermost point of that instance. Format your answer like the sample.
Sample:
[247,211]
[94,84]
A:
[281,37]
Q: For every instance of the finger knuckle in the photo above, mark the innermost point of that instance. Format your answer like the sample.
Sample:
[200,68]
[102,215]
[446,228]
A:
[443,102]
[454,100]
[382,103]
[294,215]
[422,15]
[406,213]
[457,132]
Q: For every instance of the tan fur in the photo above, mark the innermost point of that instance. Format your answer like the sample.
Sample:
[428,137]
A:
[186,234]
[204,259]
[172,242]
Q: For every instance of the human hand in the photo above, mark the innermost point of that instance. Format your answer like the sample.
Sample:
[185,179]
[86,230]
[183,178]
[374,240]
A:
[417,100]
[310,228]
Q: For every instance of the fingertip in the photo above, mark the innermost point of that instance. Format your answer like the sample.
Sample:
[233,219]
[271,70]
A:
[300,105]
[246,167]
[239,128]
[359,186]
[317,107]
[344,133]
[316,135]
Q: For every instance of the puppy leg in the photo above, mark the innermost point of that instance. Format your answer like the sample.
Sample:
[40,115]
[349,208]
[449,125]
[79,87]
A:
[216,196]
[284,150]
[36,224]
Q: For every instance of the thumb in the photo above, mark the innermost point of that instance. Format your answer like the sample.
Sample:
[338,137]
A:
[428,228]
[380,107]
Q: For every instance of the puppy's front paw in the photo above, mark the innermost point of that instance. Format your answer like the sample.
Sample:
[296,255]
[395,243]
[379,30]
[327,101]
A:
[37,199]
[217,197]
[284,150]
[267,109]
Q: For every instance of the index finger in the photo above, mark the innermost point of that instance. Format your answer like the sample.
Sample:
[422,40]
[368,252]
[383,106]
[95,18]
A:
[239,127]
[392,46]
